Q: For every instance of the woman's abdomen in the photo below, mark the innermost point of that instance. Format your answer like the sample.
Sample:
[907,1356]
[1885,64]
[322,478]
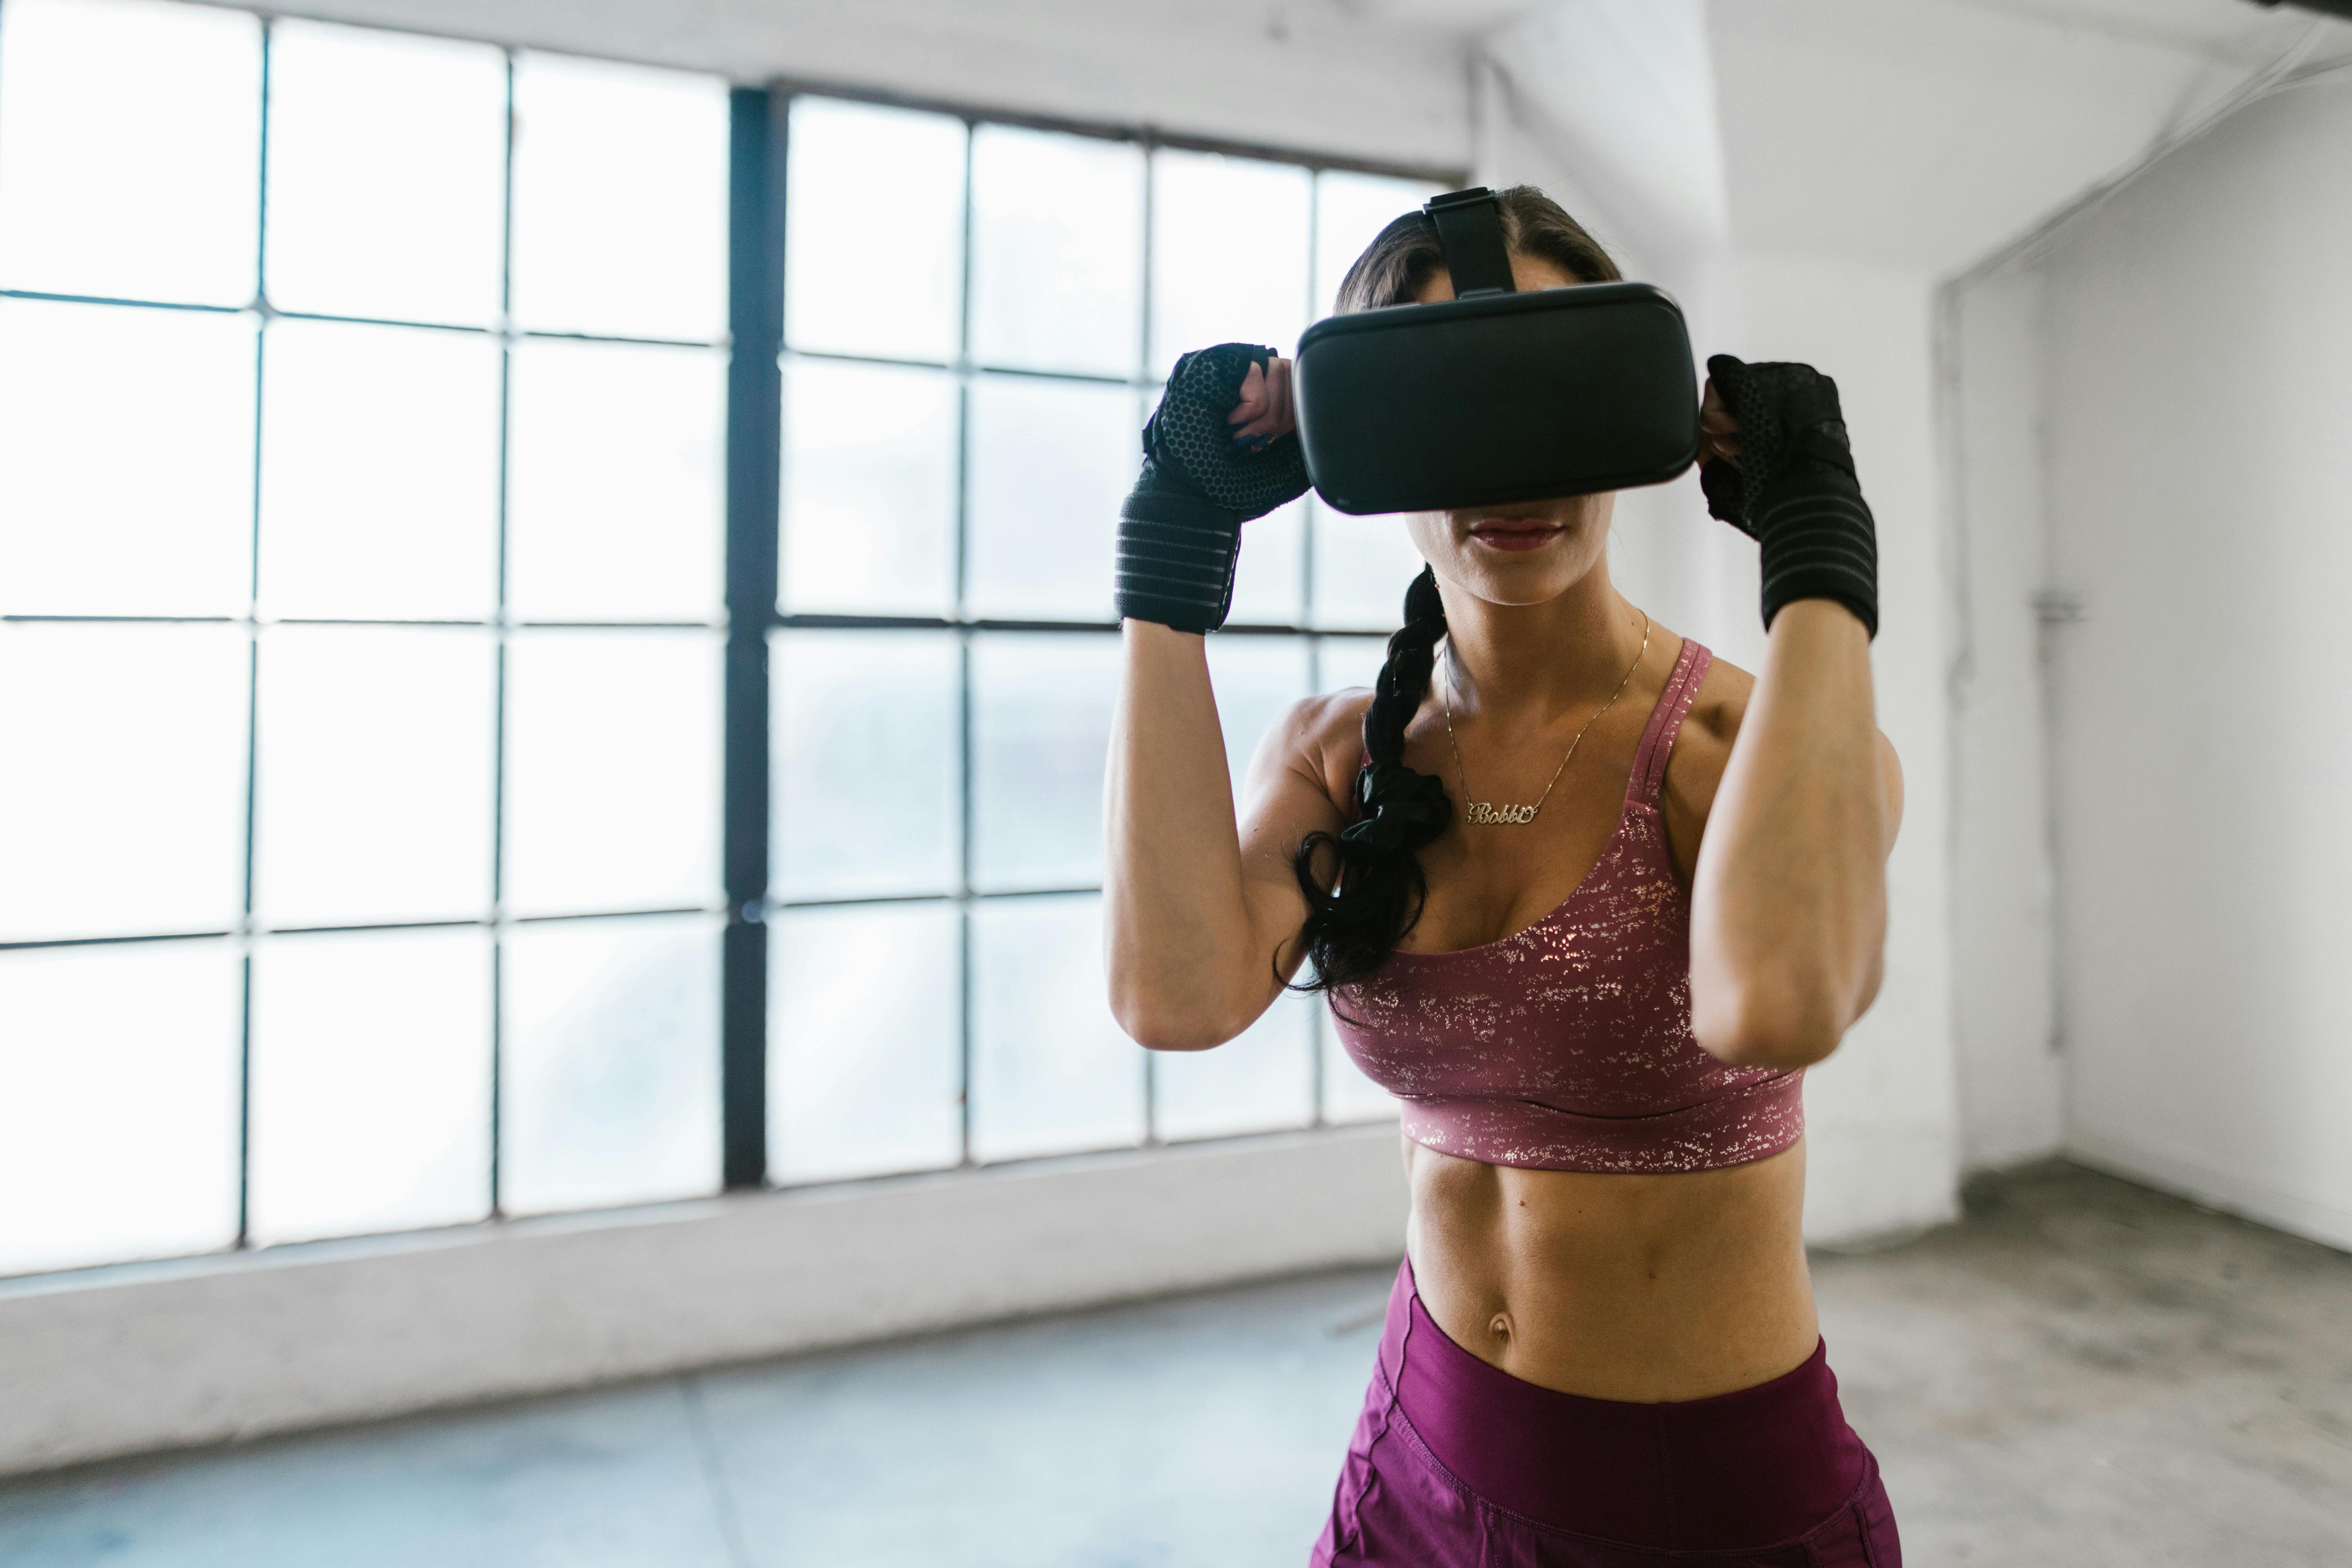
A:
[1642,1288]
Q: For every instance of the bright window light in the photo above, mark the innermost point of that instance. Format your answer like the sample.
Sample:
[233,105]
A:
[126,460]
[867,790]
[865,1070]
[616,488]
[123,806]
[387,174]
[612,771]
[379,472]
[371,1061]
[364,555]
[130,149]
[609,1062]
[870,489]
[874,231]
[119,1125]
[1201,203]
[391,726]
[620,200]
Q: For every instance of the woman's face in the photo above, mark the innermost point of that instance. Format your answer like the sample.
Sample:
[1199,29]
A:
[1526,552]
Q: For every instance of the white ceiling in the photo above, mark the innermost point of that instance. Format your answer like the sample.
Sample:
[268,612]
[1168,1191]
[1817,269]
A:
[1926,133]
[1920,133]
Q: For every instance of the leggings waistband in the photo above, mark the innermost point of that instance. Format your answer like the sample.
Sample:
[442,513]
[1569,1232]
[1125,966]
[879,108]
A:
[1758,1465]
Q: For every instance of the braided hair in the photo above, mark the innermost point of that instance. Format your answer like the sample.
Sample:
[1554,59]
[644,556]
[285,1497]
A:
[1356,918]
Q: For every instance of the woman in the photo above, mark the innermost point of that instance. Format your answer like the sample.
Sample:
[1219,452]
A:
[1589,902]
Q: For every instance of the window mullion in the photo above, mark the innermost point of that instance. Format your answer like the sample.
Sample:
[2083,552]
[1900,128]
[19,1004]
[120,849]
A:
[758,130]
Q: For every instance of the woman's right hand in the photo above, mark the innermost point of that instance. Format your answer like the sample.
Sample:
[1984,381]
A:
[1265,414]
[1217,452]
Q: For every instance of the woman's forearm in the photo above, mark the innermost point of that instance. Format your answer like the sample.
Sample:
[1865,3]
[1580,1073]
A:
[1788,901]
[1177,921]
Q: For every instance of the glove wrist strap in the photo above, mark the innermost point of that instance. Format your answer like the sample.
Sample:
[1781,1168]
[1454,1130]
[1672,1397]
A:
[1176,560]
[1817,541]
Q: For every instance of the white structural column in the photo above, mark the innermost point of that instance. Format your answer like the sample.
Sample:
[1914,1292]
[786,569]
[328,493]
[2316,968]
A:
[1612,105]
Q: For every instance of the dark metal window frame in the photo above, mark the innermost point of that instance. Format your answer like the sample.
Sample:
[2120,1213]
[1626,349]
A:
[755,463]
[499,625]
[759,128]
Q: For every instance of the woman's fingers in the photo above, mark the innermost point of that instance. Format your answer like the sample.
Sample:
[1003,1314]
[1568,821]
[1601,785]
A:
[1718,430]
[1264,411]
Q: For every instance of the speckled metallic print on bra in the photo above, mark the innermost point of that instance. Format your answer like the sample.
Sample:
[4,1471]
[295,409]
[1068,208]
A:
[1567,1045]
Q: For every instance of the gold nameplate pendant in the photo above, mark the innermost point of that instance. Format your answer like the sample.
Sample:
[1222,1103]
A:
[1479,814]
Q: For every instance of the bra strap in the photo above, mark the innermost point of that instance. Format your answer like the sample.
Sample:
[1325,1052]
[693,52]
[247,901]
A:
[1648,774]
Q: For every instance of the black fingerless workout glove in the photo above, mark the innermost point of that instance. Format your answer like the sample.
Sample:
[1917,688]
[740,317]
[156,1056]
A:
[1794,490]
[1180,531]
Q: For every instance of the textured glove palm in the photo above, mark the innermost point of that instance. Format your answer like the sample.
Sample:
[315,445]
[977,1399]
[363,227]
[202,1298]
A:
[1794,490]
[1180,531]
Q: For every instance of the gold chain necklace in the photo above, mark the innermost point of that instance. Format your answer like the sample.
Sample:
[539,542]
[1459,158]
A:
[1479,813]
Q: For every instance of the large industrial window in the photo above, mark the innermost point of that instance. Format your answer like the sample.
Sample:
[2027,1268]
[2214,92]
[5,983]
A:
[371,487]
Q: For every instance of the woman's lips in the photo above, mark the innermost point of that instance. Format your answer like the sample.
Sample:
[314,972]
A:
[1532,534]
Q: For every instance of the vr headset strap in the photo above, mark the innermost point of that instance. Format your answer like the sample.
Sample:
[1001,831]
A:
[1470,232]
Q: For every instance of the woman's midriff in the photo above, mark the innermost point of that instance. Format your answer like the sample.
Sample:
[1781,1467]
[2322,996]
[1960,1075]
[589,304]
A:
[1638,1288]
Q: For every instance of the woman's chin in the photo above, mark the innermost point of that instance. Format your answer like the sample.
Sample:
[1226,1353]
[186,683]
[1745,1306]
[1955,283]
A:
[1517,576]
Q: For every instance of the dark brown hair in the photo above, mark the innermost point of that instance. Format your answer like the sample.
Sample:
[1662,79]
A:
[1377,896]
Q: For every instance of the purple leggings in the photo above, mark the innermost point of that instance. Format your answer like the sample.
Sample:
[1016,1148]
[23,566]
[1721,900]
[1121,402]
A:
[1457,1464]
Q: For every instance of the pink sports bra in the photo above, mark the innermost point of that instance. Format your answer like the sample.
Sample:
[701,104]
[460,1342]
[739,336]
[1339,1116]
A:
[1567,1045]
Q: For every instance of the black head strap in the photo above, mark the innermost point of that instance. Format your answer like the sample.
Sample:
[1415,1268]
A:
[1470,231]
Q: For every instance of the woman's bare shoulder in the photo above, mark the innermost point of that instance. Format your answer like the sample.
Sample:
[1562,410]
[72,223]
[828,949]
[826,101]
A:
[1702,749]
[1323,736]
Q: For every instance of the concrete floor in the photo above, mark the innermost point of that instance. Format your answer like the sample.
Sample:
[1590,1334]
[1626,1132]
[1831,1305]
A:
[2081,1373]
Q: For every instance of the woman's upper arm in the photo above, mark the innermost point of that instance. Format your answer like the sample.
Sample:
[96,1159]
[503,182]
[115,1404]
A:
[1295,780]
[1703,750]
[1890,785]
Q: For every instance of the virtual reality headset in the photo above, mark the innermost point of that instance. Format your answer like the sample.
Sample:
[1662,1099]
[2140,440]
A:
[1495,397]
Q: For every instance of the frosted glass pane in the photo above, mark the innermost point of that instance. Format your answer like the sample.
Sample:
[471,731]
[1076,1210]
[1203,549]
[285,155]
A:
[370,1082]
[864,1050]
[867,763]
[869,490]
[126,461]
[874,230]
[375,781]
[1041,731]
[1343,662]
[130,149]
[387,174]
[1257,1083]
[118,1103]
[610,1052]
[1257,680]
[1050,463]
[1270,583]
[612,771]
[620,200]
[122,804]
[379,472]
[1351,210]
[1057,251]
[1209,212]
[616,497]
[1348,1094]
[1050,1072]
[1362,567]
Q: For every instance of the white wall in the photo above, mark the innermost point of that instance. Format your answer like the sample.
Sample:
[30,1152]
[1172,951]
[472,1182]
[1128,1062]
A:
[1881,1117]
[1881,1114]
[2199,393]
[2003,938]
